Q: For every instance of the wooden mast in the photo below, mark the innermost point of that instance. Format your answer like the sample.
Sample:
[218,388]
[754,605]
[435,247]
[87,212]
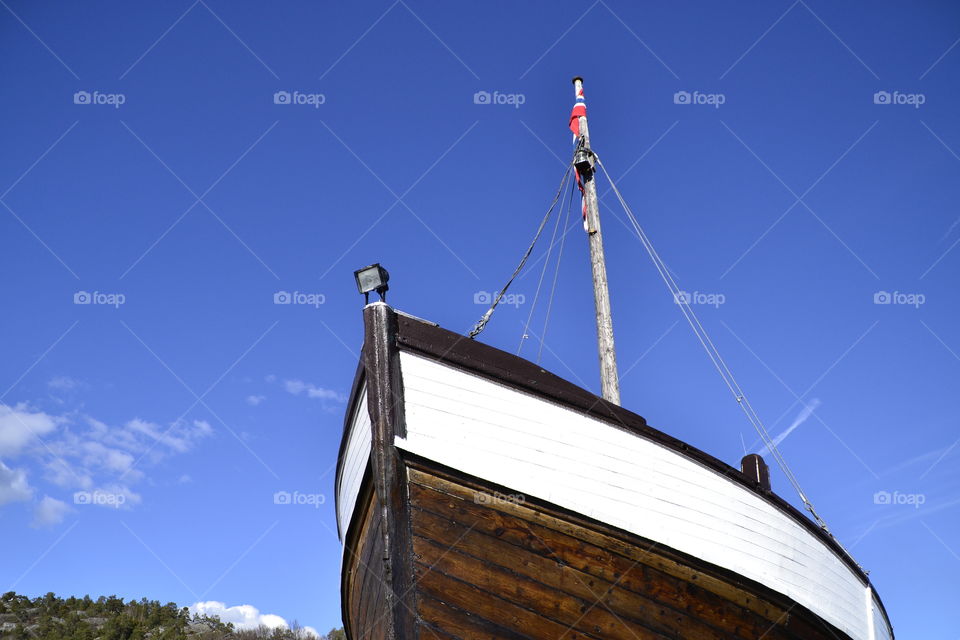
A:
[609,380]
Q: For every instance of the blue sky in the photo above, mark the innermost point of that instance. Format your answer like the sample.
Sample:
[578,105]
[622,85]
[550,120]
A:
[180,193]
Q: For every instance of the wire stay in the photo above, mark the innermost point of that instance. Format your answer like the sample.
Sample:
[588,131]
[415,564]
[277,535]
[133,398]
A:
[543,273]
[713,353]
[482,322]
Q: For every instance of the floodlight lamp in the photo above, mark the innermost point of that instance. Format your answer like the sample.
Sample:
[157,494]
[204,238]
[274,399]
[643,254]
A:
[372,278]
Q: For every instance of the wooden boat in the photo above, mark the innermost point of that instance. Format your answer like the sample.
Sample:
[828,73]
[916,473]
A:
[479,496]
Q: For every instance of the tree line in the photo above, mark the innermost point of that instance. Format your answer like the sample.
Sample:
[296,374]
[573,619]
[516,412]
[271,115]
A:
[49,617]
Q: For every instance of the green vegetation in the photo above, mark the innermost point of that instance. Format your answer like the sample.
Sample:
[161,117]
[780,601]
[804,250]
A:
[110,618]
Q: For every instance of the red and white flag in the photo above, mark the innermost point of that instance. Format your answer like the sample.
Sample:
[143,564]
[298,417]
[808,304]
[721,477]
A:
[579,110]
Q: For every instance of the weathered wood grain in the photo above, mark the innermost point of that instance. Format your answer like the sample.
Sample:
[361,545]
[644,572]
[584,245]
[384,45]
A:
[367,607]
[519,556]
[444,620]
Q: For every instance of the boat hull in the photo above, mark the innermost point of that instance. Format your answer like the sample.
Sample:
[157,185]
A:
[479,496]
[490,563]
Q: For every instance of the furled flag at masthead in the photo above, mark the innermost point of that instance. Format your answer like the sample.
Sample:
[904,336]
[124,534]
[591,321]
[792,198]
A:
[579,110]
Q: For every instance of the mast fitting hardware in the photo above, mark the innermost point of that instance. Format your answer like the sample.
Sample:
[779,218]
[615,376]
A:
[584,160]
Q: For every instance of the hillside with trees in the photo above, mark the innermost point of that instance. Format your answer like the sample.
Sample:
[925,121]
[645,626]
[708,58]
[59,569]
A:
[110,618]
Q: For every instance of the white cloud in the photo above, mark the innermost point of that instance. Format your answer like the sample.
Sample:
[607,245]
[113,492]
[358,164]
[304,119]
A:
[130,498]
[62,473]
[158,433]
[13,485]
[81,453]
[63,383]
[297,387]
[111,496]
[179,437]
[244,616]
[75,458]
[19,426]
[49,512]
[115,437]
[202,429]
[253,401]
[97,454]
[802,417]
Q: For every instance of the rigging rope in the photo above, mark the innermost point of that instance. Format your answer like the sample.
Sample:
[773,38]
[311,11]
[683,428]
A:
[543,272]
[715,357]
[553,288]
[482,322]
